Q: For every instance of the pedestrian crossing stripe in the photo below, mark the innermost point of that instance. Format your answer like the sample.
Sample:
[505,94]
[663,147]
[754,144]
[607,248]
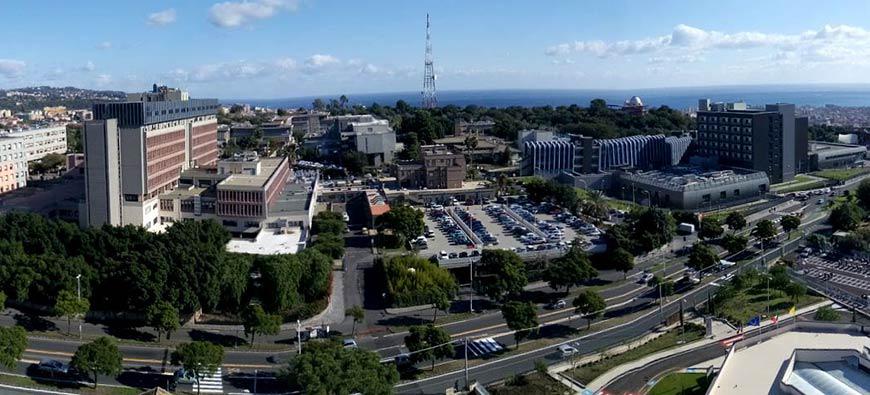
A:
[211,384]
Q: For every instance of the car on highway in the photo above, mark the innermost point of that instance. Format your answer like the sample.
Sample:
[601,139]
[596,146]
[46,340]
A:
[349,343]
[645,277]
[559,304]
[53,366]
[566,351]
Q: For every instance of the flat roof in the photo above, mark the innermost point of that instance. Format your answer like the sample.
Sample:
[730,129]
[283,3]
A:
[183,193]
[269,242]
[756,369]
[294,199]
[686,178]
[237,181]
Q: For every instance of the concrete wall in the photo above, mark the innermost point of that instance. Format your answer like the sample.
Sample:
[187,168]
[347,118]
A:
[102,173]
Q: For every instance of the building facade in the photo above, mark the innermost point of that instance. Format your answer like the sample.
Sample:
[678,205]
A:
[825,155]
[690,189]
[767,139]
[439,168]
[40,142]
[136,150]
[13,164]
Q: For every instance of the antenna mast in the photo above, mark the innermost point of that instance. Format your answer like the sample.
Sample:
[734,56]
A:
[429,99]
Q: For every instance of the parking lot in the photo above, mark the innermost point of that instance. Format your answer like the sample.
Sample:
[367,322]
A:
[849,273]
[520,228]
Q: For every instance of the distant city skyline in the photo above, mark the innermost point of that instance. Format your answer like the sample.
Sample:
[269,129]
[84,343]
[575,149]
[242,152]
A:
[260,49]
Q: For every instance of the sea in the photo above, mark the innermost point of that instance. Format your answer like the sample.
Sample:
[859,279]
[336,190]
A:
[677,98]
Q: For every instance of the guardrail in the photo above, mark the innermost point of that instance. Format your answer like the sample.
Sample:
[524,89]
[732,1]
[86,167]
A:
[530,226]
[452,263]
[462,225]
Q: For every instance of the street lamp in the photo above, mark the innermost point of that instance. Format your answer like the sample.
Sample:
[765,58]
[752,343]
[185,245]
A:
[79,299]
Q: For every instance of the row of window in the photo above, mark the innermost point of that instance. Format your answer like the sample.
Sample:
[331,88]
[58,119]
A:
[723,137]
[725,128]
[733,120]
[727,154]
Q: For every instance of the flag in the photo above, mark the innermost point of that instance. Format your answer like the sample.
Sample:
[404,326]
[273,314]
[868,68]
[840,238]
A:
[755,321]
[774,319]
[792,310]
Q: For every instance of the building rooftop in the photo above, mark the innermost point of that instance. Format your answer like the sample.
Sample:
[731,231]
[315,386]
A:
[757,369]
[295,198]
[268,166]
[829,148]
[688,178]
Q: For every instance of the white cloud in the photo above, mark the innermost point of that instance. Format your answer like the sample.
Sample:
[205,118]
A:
[232,14]
[105,45]
[89,66]
[285,64]
[318,62]
[162,18]
[11,68]
[840,43]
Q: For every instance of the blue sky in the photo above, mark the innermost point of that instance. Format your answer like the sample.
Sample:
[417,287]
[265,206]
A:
[288,48]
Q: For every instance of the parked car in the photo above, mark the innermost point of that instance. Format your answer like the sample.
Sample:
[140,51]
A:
[349,343]
[559,304]
[53,366]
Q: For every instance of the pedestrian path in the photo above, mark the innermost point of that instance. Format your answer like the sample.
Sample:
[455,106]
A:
[211,384]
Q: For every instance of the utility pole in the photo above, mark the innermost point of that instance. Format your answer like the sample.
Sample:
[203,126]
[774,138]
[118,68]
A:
[661,303]
[256,374]
[466,363]
[471,286]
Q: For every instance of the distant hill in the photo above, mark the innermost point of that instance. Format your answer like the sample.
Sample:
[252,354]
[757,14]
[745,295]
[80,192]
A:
[37,97]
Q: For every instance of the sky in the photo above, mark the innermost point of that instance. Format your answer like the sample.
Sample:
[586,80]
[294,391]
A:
[258,49]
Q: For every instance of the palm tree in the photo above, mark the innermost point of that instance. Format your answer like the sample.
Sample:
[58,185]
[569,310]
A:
[358,315]
[470,146]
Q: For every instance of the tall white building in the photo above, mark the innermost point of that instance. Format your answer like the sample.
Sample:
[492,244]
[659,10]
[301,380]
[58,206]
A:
[13,164]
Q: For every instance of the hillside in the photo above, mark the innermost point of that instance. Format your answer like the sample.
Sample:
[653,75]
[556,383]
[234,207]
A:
[35,98]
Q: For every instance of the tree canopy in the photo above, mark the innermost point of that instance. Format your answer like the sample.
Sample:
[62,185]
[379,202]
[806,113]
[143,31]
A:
[198,357]
[326,368]
[428,342]
[13,342]
[163,318]
[764,230]
[711,228]
[570,270]
[846,216]
[702,257]
[413,281]
[405,221]
[590,305]
[644,230]
[258,322]
[735,220]
[521,318]
[100,356]
[500,273]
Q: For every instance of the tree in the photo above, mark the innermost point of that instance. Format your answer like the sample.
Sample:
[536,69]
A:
[354,161]
[734,243]
[500,273]
[590,305]
[413,281]
[358,314]
[198,357]
[13,342]
[327,368]
[711,228]
[795,291]
[622,261]
[790,223]
[521,318]
[826,313]
[651,228]
[470,146]
[863,194]
[329,244]
[69,305]
[257,322]
[570,270]
[846,216]
[98,357]
[428,342]
[735,221]
[765,231]
[163,317]
[702,257]
[2,300]
[666,288]
[819,242]
[328,222]
[405,221]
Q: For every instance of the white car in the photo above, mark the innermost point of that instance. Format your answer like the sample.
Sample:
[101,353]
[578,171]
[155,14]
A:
[646,277]
[349,343]
[567,351]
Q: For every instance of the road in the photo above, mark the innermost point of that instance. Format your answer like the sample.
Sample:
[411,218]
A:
[498,369]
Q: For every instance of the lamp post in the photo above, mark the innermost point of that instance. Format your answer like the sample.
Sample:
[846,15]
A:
[79,299]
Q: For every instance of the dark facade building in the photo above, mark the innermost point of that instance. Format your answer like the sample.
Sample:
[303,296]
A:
[439,168]
[771,139]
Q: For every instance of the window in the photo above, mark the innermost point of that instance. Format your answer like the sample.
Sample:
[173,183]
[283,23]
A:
[736,192]
[131,198]
[723,195]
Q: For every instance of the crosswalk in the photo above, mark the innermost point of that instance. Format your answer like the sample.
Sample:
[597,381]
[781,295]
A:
[481,347]
[212,384]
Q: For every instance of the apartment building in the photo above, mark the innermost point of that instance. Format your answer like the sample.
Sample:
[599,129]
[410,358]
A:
[367,134]
[40,142]
[439,168]
[13,164]
[137,149]
[769,139]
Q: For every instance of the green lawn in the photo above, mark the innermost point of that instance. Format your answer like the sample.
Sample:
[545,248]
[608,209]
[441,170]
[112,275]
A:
[533,383]
[752,301]
[842,174]
[802,187]
[672,338]
[64,387]
[681,384]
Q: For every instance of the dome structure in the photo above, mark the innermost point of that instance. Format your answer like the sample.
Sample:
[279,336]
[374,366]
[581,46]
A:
[634,101]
